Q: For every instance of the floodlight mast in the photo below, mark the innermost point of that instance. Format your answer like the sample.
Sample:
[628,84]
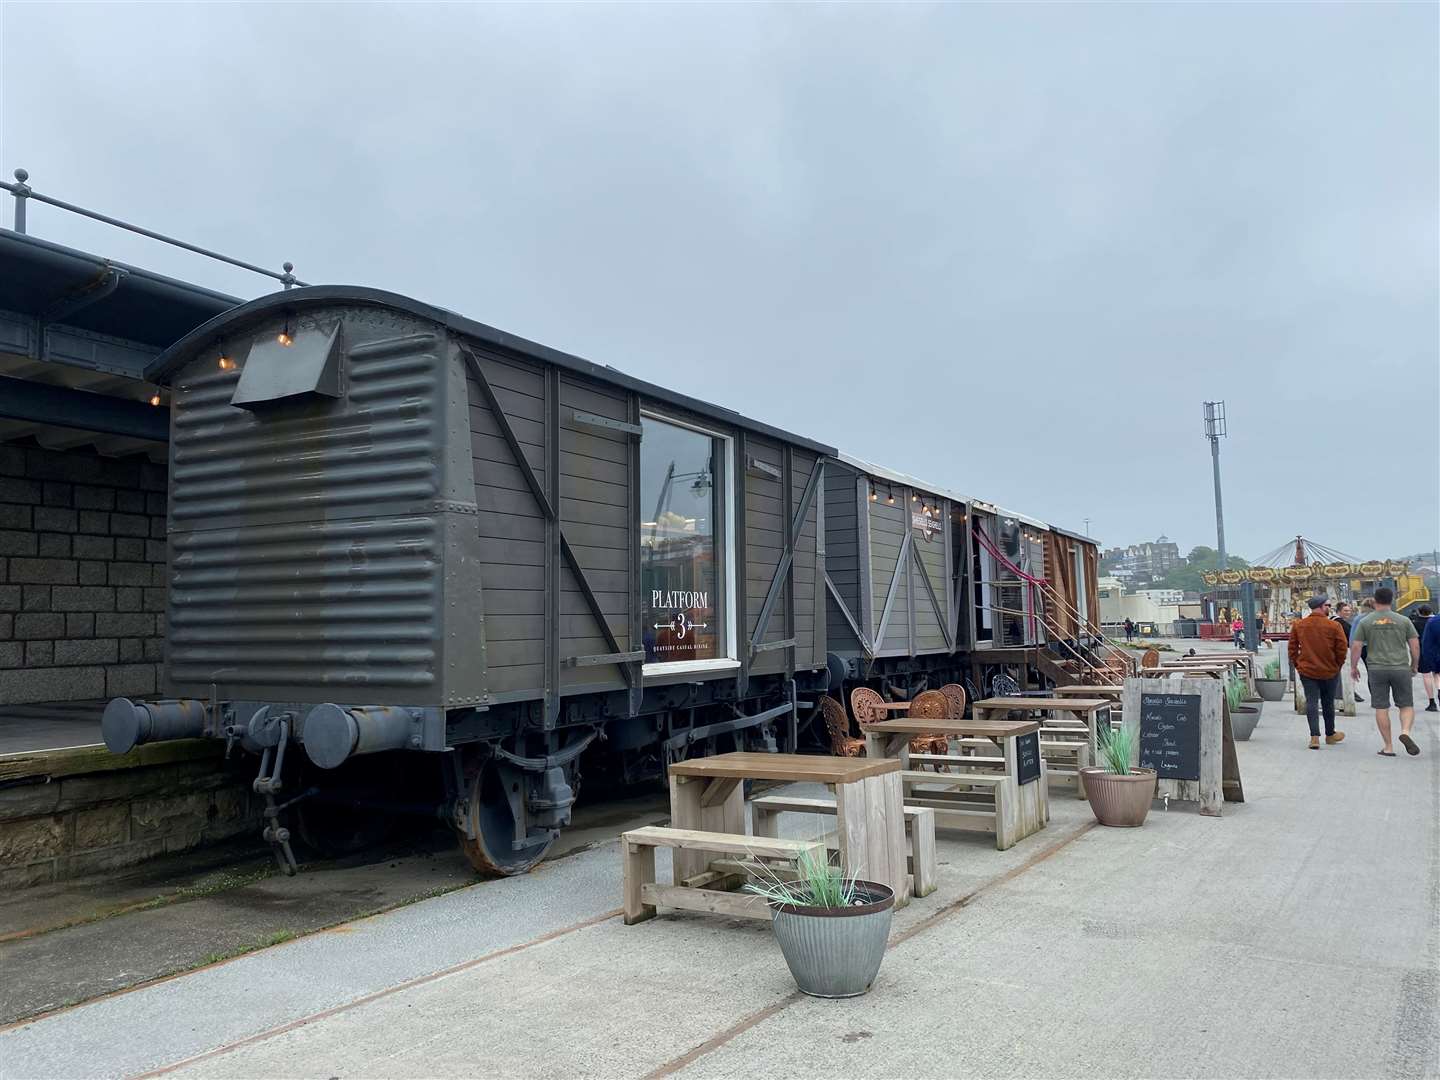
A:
[1215,431]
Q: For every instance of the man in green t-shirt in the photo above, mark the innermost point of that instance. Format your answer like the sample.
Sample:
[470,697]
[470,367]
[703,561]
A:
[1392,656]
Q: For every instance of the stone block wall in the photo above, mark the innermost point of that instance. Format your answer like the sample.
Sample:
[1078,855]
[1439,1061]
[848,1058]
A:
[82,575]
[172,797]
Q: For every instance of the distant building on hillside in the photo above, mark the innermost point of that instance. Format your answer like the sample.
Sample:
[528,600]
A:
[1140,564]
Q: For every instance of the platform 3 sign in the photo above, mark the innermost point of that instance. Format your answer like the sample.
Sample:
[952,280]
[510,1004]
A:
[1182,731]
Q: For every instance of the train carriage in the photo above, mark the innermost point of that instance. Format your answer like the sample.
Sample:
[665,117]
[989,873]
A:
[392,528]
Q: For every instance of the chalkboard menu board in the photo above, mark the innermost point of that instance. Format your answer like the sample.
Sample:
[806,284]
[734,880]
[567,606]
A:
[1170,735]
[1027,757]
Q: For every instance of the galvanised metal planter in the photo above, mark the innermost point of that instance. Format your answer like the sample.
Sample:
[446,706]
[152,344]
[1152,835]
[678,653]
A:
[1270,689]
[1243,721]
[836,952]
[1116,799]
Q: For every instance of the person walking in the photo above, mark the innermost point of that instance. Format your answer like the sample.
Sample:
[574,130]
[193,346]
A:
[1260,631]
[1129,630]
[1238,628]
[1420,617]
[1430,659]
[1392,651]
[1422,620]
[1317,653]
[1345,616]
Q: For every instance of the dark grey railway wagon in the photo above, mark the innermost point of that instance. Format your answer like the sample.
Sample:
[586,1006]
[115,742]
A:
[393,528]
[895,553]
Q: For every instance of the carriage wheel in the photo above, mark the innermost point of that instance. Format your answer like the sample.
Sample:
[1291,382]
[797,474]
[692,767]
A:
[495,793]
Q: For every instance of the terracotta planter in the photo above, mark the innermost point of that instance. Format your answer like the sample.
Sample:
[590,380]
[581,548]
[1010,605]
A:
[1116,800]
[836,952]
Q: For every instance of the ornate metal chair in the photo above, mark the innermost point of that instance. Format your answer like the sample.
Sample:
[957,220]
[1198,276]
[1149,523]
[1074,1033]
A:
[865,704]
[930,705]
[837,724]
[1003,685]
[955,694]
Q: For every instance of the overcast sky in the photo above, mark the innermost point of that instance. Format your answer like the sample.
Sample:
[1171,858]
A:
[1010,249]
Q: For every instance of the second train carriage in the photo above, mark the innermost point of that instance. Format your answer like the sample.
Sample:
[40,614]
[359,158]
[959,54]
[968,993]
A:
[443,568]
[925,585]
[394,529]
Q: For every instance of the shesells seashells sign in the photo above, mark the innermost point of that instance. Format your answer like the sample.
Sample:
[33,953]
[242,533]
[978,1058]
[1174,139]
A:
[925,522]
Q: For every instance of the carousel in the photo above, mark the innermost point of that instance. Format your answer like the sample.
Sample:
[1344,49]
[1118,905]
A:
[1297,570]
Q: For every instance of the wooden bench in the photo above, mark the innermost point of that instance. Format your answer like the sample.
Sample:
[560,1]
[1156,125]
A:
[979,808]
[643,895]
[919,823]
[1064,758]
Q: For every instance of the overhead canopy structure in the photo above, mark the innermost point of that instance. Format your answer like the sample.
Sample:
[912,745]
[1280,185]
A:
[1301,562]
[76,332]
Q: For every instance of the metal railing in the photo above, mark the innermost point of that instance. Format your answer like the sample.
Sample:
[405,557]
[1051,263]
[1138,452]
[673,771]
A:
[23,193]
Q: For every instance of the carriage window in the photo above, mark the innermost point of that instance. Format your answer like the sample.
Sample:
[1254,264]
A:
[683,543]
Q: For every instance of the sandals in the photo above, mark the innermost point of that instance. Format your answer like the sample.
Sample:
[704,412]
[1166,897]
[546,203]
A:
[1409,744]
[1386,753]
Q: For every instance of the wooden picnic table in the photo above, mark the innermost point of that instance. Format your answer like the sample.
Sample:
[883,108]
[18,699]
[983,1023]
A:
[1214,671]
[1106,691]
[1242,660]
[1093,711]
[1019,808]
[708,794]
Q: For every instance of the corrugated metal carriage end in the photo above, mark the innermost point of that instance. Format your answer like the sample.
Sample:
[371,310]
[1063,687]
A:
[394,529]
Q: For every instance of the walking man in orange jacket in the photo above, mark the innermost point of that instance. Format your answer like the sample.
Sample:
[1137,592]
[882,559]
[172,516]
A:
[1317,652]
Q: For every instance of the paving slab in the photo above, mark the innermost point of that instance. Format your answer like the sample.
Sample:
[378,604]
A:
[1298,935]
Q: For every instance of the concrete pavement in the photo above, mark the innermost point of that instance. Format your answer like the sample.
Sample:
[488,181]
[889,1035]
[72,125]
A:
[1299,935]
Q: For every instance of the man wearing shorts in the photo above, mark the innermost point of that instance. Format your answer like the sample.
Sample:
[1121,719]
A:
[1392,655]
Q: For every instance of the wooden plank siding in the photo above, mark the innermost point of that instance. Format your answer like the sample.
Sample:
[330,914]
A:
[888,526]
[593,486]
[864,540]
[594,497]
[595,501]
[844,491]
[510,522]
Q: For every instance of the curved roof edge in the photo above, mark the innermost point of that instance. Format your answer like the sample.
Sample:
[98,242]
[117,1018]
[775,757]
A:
[294,300]
[950,493]
[1075,536]
[901,478]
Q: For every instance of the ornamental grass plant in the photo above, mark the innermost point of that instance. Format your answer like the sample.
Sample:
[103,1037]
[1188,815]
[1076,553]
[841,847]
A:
[1234,692]
[1117,749]
[816,884]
